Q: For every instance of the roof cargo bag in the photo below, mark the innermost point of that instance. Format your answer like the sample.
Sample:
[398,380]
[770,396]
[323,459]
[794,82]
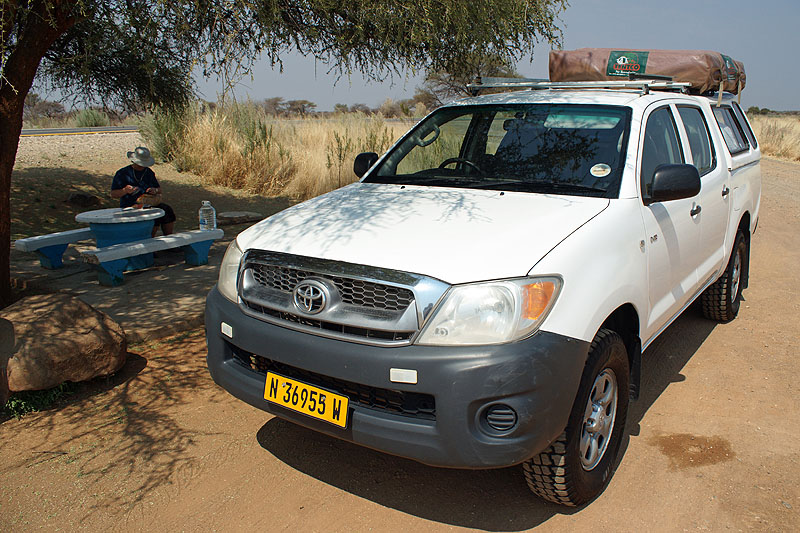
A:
[705,70]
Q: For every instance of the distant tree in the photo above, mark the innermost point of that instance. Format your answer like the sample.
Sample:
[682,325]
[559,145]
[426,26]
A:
[391,109]
[140,53]
[361,108]
[340,108]
[300,107]
[275,106]
[427,98]
[420,110]
[753,110]
[35,107]
[443,85]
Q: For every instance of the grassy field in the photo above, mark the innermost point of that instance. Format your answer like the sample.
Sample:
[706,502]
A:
[779,136]
[243,147]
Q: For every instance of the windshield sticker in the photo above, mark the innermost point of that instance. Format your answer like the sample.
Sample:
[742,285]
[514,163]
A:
[600,170]
[623,63]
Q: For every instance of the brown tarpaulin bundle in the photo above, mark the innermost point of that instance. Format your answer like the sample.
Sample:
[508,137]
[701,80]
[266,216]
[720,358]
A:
[702,68]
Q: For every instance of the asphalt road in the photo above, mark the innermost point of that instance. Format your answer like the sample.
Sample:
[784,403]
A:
[78,131]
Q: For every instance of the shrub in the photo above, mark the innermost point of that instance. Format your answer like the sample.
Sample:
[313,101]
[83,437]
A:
[91,118]
[164,130]
[21,403]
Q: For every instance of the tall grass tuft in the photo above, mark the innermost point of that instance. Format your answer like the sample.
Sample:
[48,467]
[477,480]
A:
[778,136]
[164,131]
[91,118]
[242,146]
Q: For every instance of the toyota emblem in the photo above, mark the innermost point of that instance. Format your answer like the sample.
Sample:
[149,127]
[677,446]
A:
[310,296]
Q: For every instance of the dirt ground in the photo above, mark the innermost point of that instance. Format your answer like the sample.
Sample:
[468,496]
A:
[712,444]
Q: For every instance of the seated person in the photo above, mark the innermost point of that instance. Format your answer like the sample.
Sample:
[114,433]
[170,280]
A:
[137,179]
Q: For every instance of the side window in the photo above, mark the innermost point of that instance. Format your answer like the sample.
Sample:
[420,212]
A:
[740,116]
[661,146]
[699,139]
[731,131]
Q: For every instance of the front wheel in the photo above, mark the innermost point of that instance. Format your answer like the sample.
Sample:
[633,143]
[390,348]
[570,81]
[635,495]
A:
[577,466]
[721,299]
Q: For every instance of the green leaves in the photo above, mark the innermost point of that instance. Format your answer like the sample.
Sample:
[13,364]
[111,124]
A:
[137,53]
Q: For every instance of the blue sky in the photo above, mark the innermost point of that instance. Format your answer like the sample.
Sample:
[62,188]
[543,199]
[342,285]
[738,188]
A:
[764,35]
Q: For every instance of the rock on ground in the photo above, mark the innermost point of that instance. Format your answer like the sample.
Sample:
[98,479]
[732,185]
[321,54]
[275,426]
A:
[60,338]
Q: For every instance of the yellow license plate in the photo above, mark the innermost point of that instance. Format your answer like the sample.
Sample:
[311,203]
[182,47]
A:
[307,399]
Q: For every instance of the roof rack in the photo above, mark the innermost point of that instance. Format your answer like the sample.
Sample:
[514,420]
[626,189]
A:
[644,86]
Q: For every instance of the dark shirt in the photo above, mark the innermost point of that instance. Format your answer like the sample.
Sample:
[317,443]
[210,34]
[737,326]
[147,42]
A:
[143,179]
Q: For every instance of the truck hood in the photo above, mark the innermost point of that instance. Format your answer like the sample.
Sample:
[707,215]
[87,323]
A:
[455,235]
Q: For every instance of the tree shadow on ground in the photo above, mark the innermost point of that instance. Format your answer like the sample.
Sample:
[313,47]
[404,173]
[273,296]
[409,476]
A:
[123,428]
[492,500]
[39,199]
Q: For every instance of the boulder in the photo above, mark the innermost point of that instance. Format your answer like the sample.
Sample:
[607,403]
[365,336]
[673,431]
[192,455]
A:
[82,199]
[60,338]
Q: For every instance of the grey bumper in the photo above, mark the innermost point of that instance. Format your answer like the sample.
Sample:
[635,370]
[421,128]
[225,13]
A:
[537,377]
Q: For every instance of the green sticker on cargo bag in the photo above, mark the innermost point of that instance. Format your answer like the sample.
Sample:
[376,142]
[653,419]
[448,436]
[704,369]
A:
[731,70]
[624,63]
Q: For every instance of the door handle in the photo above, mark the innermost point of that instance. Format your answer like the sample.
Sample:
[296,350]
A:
[725,191]
[695,210]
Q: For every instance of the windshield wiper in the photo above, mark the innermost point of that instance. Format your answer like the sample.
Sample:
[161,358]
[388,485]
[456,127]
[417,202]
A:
[536,186]
[566,185]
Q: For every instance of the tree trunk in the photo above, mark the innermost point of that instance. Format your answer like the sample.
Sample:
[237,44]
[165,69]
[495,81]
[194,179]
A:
[10,128]
[33,41]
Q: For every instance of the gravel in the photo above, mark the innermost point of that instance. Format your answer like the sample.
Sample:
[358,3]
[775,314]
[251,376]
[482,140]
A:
[82,151]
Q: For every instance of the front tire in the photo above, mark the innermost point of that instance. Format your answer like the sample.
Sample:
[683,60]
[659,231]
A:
[721,299]
[577,466]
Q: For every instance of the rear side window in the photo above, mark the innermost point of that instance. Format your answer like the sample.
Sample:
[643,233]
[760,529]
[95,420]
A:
[740,116]
[699,141]
[731,131]
[661,146]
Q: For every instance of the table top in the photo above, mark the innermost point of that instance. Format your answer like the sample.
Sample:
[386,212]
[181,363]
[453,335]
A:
[118,215]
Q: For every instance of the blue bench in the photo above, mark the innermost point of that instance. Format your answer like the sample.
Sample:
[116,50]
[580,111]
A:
[112,261]
[50,248]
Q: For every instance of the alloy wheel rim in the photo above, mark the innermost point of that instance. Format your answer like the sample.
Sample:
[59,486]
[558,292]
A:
[598,419]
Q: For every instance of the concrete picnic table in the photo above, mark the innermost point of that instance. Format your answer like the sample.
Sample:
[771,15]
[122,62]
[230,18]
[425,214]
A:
[117,225]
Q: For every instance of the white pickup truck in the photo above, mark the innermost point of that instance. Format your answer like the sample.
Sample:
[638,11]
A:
[482,296]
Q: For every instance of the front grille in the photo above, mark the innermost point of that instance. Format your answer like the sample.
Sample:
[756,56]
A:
[331,326]
[413,404]
[352,291]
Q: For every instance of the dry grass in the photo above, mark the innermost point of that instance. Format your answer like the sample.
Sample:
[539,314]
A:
[244,148]
[778,136]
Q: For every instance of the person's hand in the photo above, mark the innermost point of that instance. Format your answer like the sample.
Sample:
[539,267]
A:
[152,190]
[130,189]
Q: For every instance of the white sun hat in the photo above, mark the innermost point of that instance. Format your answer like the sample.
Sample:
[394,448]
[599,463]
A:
[141,156]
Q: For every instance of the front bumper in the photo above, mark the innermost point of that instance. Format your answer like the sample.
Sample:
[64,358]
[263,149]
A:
[537,377]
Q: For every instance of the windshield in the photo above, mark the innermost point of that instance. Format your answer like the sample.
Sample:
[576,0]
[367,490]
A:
[563,149]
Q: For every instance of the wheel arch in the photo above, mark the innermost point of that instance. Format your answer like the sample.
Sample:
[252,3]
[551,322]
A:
[625,322]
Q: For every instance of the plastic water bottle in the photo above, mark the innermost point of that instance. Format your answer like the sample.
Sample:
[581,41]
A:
[208,216]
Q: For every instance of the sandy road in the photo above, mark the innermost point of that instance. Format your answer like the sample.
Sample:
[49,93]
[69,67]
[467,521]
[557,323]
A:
[713,443]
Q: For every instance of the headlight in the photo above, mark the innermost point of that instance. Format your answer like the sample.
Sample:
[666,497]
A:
[491,313]
[229,271]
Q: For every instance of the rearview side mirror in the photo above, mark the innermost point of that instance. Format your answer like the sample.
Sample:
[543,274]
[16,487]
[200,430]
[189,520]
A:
[363,162]
[674,182]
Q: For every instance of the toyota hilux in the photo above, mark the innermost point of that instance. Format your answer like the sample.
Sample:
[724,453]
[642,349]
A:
[482,296]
